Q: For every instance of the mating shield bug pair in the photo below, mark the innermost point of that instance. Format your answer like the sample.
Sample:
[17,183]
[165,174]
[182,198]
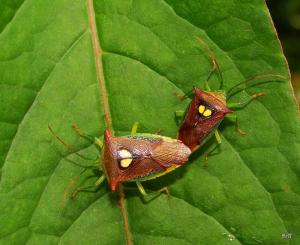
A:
[141,157]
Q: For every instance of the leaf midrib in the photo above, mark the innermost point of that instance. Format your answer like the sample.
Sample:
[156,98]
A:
[104,99]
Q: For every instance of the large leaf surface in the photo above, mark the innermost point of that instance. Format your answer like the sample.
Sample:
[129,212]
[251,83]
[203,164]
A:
[248,194]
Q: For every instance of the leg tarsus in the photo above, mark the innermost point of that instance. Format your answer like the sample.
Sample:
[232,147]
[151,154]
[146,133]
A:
[74,193]
[219,142]
[240,105]
[236,124]
[241,132]
[254,96]
[165,190]
[157,192]
[206,155]
[237,128]
[67,191]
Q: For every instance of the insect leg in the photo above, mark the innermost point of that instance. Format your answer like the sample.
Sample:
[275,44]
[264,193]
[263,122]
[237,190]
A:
[134,128]
[218,137]
[219,141]
[141,188]
[237,128]
[179,114]
[179,117]
[145,194]
[242,104]
[90,188]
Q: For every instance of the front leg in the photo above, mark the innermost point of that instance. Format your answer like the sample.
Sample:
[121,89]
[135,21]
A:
[94,140]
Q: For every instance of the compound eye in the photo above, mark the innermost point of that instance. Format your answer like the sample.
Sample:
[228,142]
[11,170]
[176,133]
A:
[125,158]
[204,111]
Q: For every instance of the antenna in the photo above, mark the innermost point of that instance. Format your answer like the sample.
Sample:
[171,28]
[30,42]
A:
[70,149]
[231,91]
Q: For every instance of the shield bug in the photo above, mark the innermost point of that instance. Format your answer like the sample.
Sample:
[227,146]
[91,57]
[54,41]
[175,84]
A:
[140,157]
[204,114]
[136,157]
[208,108]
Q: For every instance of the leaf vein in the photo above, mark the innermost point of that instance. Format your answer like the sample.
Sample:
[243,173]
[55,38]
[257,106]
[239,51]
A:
[105,104]
[14,16]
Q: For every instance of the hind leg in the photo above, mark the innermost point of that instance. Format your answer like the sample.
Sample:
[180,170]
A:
[219,142]
[151,194]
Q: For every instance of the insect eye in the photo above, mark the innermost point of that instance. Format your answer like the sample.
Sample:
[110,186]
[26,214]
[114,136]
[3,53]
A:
[125,158]
[204,111]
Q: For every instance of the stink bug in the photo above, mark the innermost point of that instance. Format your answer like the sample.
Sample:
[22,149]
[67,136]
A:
[208,108]
[136,157]
[140,157]
[204,114]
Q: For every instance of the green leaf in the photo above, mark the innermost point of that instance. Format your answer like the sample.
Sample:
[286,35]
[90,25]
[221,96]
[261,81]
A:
[248,193]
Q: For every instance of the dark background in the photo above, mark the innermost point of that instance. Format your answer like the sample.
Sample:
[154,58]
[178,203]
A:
[286,17]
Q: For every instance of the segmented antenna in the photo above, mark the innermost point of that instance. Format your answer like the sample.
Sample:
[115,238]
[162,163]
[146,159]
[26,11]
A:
[70,149]
[231,91]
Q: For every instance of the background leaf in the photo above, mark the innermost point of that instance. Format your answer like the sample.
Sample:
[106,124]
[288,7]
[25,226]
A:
[248,194]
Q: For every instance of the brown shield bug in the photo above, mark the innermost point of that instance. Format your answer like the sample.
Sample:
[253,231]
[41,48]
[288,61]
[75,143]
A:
[135,157]
[208,108]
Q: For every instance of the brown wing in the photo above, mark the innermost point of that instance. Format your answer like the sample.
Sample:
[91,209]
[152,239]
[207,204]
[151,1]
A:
[169,153]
